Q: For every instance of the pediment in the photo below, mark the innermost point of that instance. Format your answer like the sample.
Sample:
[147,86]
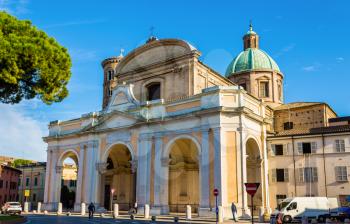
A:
[116,120]
[122,98]
[153,53]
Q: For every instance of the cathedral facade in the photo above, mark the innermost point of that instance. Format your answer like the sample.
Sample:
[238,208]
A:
[171,130]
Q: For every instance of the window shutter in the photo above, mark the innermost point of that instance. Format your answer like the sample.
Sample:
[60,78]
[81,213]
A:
[300,148]
[286,175]
[273,175]
[314,174]
[273,149]
[342,145]
[313,147]
[337,146]
[300,175]
[285,149]
[337,173]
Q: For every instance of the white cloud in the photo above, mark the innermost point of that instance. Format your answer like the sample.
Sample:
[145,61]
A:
[339,59]
[20,135]
[75,23]
[310,68]
[285,49]
[14,6]
[82,55]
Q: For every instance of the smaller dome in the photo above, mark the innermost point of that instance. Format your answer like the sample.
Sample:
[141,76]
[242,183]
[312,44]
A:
[251,59]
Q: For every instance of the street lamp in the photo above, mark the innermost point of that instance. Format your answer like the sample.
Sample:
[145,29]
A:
[111,199]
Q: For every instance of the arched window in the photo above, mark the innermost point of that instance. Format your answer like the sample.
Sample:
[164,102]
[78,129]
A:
[110,164]
[153,91]
[110,75]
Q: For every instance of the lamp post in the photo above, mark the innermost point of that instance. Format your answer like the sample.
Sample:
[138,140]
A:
[111,199]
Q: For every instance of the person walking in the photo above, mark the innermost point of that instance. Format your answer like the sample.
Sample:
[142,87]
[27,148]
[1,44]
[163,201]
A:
[135,207]
[234,212]
[91,209]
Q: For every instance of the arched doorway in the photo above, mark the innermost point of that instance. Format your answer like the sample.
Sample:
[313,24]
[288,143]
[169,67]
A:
[254,161]
[68,184]
[119,179]
[183,176]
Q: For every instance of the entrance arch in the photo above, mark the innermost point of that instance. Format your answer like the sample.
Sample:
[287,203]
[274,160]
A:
[67,166]
[254,171]
[119,178]
[184,184]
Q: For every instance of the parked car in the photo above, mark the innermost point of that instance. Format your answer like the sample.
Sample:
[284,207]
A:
[295,209]
[11,208]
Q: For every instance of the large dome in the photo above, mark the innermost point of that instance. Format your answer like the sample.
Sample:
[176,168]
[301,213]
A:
[252,59]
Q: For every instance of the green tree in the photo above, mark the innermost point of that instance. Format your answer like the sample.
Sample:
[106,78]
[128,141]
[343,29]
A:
[32,64]
[20,162]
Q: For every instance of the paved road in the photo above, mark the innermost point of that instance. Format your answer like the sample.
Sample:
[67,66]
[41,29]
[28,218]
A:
[53,219]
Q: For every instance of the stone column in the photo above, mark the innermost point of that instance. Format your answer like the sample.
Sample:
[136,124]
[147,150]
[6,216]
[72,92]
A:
[204,201]
[78,197]
[57,185]
[47,177]
[245,206]
[143,171]
[95,176]
[161,166]
[220,180]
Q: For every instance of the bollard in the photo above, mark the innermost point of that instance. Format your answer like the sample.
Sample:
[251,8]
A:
[221,215]
[146,212]
[82,209]
[59,209]
[45,212]
[261,214]
[102,215]
[115,210]
[132,217]
[188,212]
[176,219]
[68,214]
[26,207]
[34,211]
[39,207]
[153,218]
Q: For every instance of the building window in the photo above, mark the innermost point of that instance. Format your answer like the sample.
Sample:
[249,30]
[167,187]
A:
[280,92]
[280,175]
[307,147]
[341,173]
[110,75]
[308,174]
[279,149]
[243,85]
[27,181]
[340,145]
[153,91]
[35,181]
[72,183]
[280,197]
[34,197]
[288,125]
[264,89]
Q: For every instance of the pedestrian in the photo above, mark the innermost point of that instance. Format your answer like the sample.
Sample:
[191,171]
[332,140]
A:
[135,207]
[91,209]
[234,212]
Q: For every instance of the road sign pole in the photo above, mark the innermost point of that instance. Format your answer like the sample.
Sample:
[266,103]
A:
[252,202]
[216,208]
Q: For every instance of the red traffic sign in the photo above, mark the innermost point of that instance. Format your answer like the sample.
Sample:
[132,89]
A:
[216,192]
[251,188]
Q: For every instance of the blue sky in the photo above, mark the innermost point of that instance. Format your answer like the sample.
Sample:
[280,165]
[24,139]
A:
[308,40]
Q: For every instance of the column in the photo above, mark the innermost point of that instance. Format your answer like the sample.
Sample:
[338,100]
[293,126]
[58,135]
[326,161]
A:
[79,190]
[92,178]
[245,207]
[48,171]
[161,173]
[220,181]
[143,171]
[204,201]
[265,177]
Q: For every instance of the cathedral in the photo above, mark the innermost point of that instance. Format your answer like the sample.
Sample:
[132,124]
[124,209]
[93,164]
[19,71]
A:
[171,130]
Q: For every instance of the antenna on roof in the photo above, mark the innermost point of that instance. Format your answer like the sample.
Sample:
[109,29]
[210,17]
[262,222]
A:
[250,25]
[151,37]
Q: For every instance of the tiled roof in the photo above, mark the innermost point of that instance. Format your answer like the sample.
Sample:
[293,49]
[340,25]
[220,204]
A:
[297,105]
[313,131]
